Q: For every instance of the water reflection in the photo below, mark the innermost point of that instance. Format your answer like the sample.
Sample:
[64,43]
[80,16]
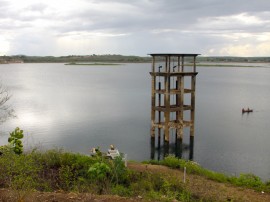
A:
[179,149]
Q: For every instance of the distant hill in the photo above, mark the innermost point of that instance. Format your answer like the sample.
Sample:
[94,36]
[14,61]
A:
[75,58]
[233,59]
[116,58]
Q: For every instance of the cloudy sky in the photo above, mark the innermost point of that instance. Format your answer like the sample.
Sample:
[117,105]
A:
[137,27]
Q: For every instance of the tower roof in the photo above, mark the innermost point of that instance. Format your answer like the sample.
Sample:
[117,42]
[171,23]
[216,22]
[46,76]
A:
[174,54]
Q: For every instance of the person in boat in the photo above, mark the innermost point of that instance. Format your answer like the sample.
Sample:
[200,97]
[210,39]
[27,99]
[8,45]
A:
[247,110]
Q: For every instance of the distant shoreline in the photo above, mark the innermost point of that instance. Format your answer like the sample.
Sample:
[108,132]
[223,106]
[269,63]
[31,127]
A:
[210,64]
[226,65]
[116,63]
[114,58]
[92,64]
[198,64]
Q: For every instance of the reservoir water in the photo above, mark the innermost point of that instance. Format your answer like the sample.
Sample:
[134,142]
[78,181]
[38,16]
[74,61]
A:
[80,107]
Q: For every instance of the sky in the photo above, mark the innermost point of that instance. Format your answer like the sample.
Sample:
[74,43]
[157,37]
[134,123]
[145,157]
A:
[137,27]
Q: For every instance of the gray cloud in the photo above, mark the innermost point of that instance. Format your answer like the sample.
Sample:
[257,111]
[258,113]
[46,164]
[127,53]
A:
[125,27]
[39,7]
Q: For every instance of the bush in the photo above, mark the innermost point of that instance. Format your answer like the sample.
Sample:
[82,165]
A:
[119,171]
[121,190]
[249,180]
[56,169]
[18,171]
[15,140]
[67,177]
[100,173]
[172,162]
[51,170]
[64,170]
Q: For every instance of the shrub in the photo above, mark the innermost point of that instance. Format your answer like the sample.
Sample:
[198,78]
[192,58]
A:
[5,149]
[15,168]
[172,162]
[15,140]
[57,169]
[249,180]
[100,173]
[67,177]
[121,190]
[63,170]
[119,171]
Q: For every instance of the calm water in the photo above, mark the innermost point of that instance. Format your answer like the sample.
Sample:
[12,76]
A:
[80,107]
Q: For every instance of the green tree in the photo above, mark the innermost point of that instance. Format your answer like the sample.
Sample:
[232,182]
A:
[100,173]
[15,140]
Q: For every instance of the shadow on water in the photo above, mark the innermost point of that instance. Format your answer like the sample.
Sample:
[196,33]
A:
[179,149]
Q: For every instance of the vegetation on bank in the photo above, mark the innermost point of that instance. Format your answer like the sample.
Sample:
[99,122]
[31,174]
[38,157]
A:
[92,64]
[60,170]
[114,58]
[223,65]
[75,59]
[247,180]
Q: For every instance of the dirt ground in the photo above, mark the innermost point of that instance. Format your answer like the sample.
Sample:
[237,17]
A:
[14,196]
[197,185]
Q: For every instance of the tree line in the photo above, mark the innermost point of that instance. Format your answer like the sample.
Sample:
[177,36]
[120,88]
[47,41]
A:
[117,58]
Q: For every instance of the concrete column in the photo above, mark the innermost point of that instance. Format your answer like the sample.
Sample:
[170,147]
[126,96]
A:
[192,111]
[182,64]
[153,103]
[180,131]
[191,147]
[152,141]
[167,108]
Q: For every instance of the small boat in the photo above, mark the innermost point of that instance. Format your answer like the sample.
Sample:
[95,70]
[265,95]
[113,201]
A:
[247,110]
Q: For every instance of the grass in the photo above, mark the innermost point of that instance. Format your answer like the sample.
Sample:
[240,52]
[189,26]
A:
[247,180]
[59,170]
